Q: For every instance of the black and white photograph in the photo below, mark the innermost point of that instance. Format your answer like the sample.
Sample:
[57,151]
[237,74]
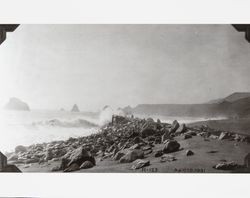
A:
[125,98]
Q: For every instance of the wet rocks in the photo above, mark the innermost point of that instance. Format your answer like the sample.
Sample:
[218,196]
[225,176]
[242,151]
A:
[171,146]
[132,156]
[139,163]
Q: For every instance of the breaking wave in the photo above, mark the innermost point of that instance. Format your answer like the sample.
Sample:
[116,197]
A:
[76,123]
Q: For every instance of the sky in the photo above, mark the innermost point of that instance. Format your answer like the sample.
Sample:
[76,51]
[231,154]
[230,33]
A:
[56,66]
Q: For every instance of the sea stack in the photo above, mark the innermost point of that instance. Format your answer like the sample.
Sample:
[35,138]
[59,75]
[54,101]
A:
[75,108]
[16,104]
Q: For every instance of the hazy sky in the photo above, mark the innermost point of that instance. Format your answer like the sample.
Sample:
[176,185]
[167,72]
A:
[54,66]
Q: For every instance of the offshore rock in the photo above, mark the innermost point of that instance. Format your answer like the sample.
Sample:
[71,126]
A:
[16,104]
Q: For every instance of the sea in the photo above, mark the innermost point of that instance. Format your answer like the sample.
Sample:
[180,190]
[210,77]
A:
[39,126]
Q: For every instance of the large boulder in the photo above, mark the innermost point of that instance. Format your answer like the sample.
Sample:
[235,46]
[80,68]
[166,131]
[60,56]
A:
[78,156]
[86,164]
[171,146]
[132,156]
[16,104]
[148,131]
[181,129]
[20,149]
[175,126]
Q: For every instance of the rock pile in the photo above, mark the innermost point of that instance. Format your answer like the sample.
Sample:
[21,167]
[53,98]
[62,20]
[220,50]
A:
[125,140]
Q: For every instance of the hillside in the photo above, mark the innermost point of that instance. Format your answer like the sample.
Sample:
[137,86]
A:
[231,98]
[234,105]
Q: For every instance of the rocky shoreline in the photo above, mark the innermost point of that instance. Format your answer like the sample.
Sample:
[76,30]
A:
[125,140]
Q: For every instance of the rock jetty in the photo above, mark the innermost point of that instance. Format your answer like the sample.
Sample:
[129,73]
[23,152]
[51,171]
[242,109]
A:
[124,140]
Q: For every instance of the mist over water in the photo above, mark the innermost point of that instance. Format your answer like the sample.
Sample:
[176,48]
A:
[30,127]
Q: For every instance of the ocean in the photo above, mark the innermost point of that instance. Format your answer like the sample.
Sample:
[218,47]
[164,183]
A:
[39,126]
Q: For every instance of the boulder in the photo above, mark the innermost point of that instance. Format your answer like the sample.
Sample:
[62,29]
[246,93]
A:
[148,131]
[189,152]
[223,136]
[56,168]
[13,157]
[132,156]
[147,152]
[181,129]
[213,137]
[226,166]
[48,155]
[158,153]
[171,146]
[187,136]
[139,163]
[164,137]
[20,149]
[175,126]
[137,140]
[150,120]
[135,146]
[16,104]
[78,156]
[167,158]
[86,164]
[193,133]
